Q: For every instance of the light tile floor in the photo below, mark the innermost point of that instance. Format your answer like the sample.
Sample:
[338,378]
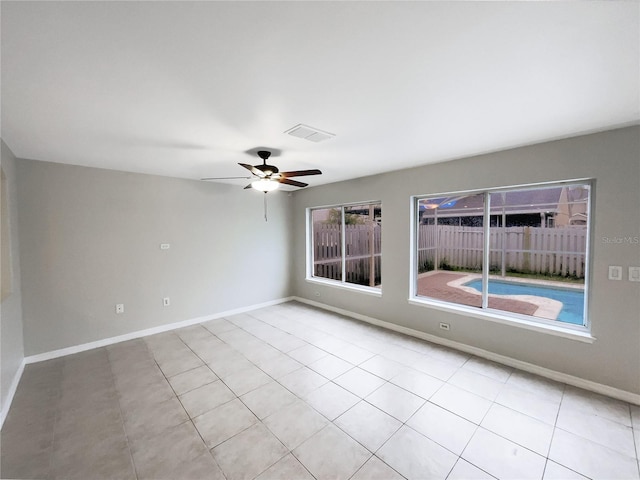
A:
[292,392]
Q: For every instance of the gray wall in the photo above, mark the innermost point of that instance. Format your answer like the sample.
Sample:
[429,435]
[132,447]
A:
[612,158]
[90,238]
[11,348]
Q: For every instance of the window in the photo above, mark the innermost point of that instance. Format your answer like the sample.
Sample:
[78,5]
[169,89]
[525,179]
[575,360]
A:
[520,252]
[345,243]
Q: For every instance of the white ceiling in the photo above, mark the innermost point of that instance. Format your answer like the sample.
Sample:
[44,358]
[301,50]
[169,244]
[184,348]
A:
[186,89]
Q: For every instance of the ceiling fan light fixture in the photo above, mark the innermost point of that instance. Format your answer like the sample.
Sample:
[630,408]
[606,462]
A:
[265,185]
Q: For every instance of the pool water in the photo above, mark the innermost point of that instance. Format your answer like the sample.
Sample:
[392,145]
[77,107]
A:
[572,300]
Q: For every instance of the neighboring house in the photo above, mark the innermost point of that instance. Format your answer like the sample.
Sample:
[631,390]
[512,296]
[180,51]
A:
[542,207]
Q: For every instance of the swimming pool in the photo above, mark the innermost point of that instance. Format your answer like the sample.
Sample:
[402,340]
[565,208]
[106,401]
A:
[572,300]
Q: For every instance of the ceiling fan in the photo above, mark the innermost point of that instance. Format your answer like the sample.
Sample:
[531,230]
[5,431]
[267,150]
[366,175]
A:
[269,177]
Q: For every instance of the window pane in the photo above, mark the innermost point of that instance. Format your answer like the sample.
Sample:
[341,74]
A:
[538,240]
[363,226]
[327,243]
[450,244]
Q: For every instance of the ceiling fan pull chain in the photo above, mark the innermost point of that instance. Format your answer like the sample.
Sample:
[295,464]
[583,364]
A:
[265,206]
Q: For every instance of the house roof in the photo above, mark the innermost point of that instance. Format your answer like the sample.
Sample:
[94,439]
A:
[540,200]
[189,89]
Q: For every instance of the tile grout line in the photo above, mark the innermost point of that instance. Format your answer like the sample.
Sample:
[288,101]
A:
[388,381]
[330,422]
[209,450]
[124,428]
[55,421]
[259,421]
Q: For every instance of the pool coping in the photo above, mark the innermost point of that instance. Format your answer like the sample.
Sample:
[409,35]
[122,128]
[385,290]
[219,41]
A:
[546,307]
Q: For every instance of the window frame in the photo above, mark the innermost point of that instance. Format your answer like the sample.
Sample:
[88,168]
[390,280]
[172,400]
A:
[309,277]
[576,332]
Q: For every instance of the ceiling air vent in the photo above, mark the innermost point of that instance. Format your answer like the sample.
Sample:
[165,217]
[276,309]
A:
[309,133]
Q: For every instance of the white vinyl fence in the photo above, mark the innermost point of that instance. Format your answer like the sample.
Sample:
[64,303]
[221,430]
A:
[551,251]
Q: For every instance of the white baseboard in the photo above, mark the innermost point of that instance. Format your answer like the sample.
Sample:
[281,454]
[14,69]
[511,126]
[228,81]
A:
[12,391]
[40,357]
[508,361]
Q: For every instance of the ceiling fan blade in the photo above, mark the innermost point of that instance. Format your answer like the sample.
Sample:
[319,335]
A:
[223,178]
[301,173]
[252,169]
[286,181]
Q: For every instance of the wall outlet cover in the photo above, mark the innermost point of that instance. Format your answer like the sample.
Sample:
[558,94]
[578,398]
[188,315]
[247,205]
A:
[615,272]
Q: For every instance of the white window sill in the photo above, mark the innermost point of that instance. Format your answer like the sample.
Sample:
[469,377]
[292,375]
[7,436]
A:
[579,334]
[375,291]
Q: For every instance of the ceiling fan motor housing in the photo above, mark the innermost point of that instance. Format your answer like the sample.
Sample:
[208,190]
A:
[267,169]
[264,168]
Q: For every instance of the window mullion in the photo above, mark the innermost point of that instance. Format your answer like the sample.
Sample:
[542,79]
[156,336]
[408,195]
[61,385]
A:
[343,246]
[415,215]
[486,224]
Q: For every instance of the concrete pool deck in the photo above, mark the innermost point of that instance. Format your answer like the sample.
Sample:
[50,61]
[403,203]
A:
[449,287]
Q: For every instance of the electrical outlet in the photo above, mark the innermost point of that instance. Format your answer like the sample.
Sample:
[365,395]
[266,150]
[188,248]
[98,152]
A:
[634,274]
[166,301]
[119,308]
[444,326]
[615,272]
[165,246]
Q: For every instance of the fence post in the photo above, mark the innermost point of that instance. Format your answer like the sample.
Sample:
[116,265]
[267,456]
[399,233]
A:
[526,246]
[436,260]
[504,238]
